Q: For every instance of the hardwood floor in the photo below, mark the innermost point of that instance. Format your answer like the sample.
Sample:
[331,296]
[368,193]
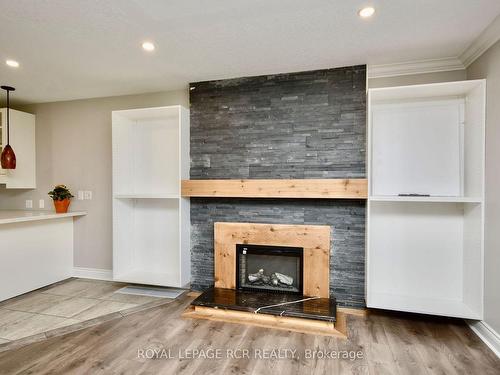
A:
[389,344]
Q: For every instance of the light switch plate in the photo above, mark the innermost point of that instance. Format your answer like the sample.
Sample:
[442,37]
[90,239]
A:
[87,194]
[41,203]
[29,203]
[79,195]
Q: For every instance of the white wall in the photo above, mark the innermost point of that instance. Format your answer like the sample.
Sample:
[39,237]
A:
[488,66]
[73,147]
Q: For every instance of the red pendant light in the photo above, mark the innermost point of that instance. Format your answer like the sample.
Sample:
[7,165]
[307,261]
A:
[8,157]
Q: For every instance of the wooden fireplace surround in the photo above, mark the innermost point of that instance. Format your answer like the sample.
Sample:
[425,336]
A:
[315,239]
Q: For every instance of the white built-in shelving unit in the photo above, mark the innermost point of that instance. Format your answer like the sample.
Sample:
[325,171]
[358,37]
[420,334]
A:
[425,253]
[150,218]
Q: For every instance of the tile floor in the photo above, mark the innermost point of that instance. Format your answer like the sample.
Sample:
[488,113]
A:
[63,304]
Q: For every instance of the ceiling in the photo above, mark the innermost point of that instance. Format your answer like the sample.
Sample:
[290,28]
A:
[72,49]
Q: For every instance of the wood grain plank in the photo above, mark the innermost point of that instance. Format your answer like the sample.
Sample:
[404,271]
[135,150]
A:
[296,188]
[403,347]
[255,338]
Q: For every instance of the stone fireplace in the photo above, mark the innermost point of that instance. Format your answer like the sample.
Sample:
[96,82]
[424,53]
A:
[296,126]
[271,275]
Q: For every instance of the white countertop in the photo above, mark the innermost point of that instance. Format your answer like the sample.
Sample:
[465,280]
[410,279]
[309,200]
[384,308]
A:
[18,216]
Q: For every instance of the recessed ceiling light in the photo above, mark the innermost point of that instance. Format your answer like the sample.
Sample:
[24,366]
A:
[366,12]
[12,63]
[148,46]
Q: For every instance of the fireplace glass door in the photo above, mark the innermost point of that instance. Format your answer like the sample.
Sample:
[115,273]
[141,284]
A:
[269,268]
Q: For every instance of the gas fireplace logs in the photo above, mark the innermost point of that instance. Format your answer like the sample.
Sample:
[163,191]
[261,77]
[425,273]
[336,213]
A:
[275,279]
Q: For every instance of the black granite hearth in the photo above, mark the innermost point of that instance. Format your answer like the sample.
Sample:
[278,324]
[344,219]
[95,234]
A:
[262,303]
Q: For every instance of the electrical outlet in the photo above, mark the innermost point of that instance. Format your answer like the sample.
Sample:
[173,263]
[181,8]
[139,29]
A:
[29,203]
[87,194]
[41,203]
[80,196]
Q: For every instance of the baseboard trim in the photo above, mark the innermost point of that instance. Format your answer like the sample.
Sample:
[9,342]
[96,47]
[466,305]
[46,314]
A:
[487,334]
[93,273]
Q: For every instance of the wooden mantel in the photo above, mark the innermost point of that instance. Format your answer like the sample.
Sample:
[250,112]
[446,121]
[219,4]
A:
[296,188]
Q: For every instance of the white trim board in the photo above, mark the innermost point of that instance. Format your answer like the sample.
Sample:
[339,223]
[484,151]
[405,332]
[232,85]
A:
[487,334]
[93,273]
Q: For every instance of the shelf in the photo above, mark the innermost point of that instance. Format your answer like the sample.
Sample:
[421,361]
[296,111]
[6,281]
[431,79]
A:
[425,199]
[424,256]
[296,188]
[150,220]
[146,196]
[425,253]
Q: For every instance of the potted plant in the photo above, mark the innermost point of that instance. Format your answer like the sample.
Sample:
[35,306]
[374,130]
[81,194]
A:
[61,196]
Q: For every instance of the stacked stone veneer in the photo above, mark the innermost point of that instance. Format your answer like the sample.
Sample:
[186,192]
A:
[298,125]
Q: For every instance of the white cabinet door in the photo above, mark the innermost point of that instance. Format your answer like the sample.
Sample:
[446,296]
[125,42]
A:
[417,148]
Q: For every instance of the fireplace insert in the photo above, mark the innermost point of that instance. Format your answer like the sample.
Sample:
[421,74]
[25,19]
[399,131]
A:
[269,268]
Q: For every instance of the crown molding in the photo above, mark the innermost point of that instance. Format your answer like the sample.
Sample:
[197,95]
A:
[482,43]
[415,67]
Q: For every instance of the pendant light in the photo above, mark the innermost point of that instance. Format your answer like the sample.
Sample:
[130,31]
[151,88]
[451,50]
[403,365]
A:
[8,157]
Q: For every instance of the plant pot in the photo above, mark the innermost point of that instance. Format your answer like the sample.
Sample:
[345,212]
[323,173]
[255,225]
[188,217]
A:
[62,206]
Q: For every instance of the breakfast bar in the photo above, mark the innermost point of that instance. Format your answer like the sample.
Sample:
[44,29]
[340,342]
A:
[36,249]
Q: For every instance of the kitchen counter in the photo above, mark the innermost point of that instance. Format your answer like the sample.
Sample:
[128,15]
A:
[36,249]
[19,216]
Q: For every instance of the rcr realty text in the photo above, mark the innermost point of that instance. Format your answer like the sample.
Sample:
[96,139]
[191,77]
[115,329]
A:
[240,353]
